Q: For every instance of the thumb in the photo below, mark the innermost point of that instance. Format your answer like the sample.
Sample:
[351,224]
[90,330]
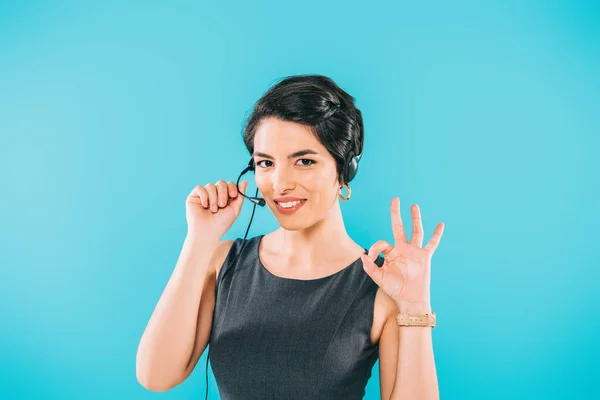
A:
[239,200]
[372,269]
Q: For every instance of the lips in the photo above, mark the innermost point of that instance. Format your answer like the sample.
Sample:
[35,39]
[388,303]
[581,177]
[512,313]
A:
[287,199]
[289,210]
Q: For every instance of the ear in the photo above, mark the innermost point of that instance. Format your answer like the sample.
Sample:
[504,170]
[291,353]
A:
[340,181]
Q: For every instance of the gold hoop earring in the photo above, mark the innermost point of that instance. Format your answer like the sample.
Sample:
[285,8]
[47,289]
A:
[349,193]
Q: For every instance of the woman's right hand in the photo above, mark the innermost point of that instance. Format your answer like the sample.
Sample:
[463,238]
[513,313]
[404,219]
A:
[213,208]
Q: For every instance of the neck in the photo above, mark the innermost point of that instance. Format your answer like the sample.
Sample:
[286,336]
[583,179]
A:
[311,246]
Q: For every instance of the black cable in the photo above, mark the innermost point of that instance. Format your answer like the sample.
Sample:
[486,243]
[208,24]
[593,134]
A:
[232,263]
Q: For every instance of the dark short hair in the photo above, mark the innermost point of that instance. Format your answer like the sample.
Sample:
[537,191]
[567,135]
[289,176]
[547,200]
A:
[317,102]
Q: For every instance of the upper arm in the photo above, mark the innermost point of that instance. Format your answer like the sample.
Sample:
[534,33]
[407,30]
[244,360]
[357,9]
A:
[388,356]
[207,305]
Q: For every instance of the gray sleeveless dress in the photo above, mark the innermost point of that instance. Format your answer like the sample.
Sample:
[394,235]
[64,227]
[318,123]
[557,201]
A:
[281,338]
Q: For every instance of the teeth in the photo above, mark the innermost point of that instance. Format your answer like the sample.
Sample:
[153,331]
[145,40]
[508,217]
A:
[290,204]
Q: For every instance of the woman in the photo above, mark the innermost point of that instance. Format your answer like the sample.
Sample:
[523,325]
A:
[300,312]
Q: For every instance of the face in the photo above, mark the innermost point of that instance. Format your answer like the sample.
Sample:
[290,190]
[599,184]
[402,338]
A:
[281,173]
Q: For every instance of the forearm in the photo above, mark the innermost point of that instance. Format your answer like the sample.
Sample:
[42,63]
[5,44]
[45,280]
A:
[416,376]
[168,340]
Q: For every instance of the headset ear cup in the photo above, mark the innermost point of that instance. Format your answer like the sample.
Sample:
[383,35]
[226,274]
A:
[351,167]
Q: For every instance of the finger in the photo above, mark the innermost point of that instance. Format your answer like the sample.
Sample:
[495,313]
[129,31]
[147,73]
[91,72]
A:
[417,232]
[435,239]
[242,190]
[239,200]
[372,269]
[232,190]
[202,195]
[211,189]
[397,225]
[222,193]
[380,246]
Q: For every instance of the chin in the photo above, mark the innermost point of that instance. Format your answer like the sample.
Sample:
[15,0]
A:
[293,226]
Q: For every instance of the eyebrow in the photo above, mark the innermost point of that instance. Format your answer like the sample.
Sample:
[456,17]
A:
[293,155]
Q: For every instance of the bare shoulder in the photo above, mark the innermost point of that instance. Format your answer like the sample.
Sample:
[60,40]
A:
[388,345]
[384,309]
[220,254]
[207,304]
[386,304]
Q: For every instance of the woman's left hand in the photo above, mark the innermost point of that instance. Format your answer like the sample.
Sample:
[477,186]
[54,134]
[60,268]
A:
[406,272]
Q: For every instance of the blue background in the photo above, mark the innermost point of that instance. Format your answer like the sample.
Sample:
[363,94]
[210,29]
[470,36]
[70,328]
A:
[485,114]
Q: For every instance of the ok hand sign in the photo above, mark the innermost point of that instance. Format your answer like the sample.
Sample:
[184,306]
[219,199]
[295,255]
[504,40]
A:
[406,272]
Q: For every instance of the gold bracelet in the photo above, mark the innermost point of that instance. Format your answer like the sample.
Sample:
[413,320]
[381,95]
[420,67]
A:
[406,319]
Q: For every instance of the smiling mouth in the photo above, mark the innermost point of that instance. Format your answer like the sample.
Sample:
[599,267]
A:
[286,210]
[284,202]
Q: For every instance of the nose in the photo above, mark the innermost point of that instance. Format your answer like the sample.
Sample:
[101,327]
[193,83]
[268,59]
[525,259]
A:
[282,180]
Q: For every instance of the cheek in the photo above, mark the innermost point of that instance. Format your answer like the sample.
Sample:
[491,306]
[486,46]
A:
[262,184]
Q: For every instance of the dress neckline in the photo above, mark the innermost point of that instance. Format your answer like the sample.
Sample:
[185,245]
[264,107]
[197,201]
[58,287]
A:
[331,276]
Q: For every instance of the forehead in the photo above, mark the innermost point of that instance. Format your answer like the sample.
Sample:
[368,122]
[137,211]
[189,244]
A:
[275,136]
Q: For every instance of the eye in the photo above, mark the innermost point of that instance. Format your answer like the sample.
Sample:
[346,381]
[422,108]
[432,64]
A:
[306,159]
[310,162]
[258,163]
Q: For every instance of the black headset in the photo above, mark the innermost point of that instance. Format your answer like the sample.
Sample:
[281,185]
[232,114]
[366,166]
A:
[350,170]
